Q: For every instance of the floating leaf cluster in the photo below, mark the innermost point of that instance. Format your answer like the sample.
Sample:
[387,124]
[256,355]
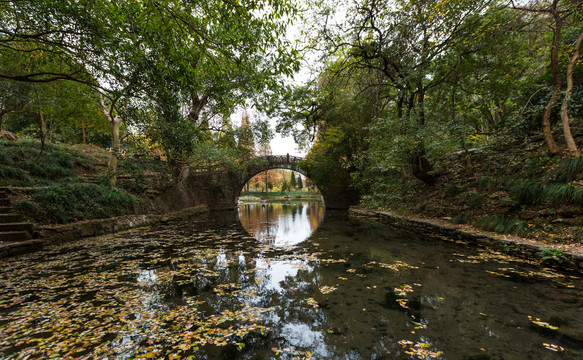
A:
[538,322]
[419,349]
[398,265]
[327,289]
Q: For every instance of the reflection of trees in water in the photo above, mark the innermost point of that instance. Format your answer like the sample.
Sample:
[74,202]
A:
[315,214]
[281,222]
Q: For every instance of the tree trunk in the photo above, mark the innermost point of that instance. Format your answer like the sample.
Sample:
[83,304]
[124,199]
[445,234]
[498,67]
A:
[83,130]
[114,124]
[565,106]
[421,168]
[43,132]
[42,125]
[113,158]
[548,134]
[197,105]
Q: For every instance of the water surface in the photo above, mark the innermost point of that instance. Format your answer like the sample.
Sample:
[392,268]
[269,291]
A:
[354,289]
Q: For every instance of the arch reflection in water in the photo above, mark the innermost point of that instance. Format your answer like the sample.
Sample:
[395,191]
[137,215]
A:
[281,223]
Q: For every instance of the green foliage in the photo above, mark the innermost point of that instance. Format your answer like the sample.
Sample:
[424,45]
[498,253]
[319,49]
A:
[284,186]
[28,208]
[527,193]
[530,192]
[461,219]
[559,194]
[48,169]
[276,194]
[476,200]
[552,254]
[19,164]
[568,170]
[501,225]
[453,189]
[74,202]
[485,182]
[9,172]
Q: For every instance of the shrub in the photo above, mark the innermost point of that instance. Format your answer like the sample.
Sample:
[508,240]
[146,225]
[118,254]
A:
[48,169]
[461,219]
[9,172]
[453,189]
[501,225]
[553,254]
[558,194]
[527,193]
[485,182]
[570,167]
[28,208]
[77,201]
[476,200]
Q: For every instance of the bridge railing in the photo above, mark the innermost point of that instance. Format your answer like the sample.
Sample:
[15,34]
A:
[283,159]
[271,159]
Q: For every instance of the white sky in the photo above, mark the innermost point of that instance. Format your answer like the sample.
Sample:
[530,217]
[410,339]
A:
[279,145]
[285,145]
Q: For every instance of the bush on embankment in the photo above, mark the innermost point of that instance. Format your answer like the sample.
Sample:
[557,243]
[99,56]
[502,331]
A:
[65,203]
[22,164]
[64,184]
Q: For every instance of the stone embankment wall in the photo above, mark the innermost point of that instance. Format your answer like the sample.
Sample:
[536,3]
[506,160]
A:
[571,258]
[56,234]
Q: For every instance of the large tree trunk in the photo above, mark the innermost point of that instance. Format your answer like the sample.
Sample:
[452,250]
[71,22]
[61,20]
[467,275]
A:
[421,168]
[42,126]
[197,105]
[43,131]
[113,158]
[565,106]
[548,134]
[83,129]
[114,124]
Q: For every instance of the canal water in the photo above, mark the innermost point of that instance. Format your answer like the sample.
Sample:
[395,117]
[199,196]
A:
[284,281]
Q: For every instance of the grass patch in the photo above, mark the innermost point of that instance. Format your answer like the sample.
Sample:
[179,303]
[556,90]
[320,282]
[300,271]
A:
[501,225]
[461,219]
[559,194]
[569,169]
[476,200]
[527,193]
[48,169]
[249,198]
[293,194]
[485,183]
[453,189]
[9,172]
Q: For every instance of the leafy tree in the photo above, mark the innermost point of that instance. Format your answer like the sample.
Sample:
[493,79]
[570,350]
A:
[557,13]
[157,64]
[292,181]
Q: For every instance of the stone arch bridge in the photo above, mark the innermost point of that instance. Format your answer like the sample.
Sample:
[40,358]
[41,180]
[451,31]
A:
[219,188]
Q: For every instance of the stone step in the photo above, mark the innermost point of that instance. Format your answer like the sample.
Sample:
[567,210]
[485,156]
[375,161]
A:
[5,210]
[18,226]
[13,236]
[4,202]
[19,248]
[10,218]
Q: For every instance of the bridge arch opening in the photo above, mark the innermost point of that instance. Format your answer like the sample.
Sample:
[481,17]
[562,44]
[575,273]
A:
[280,207]
[278,184]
